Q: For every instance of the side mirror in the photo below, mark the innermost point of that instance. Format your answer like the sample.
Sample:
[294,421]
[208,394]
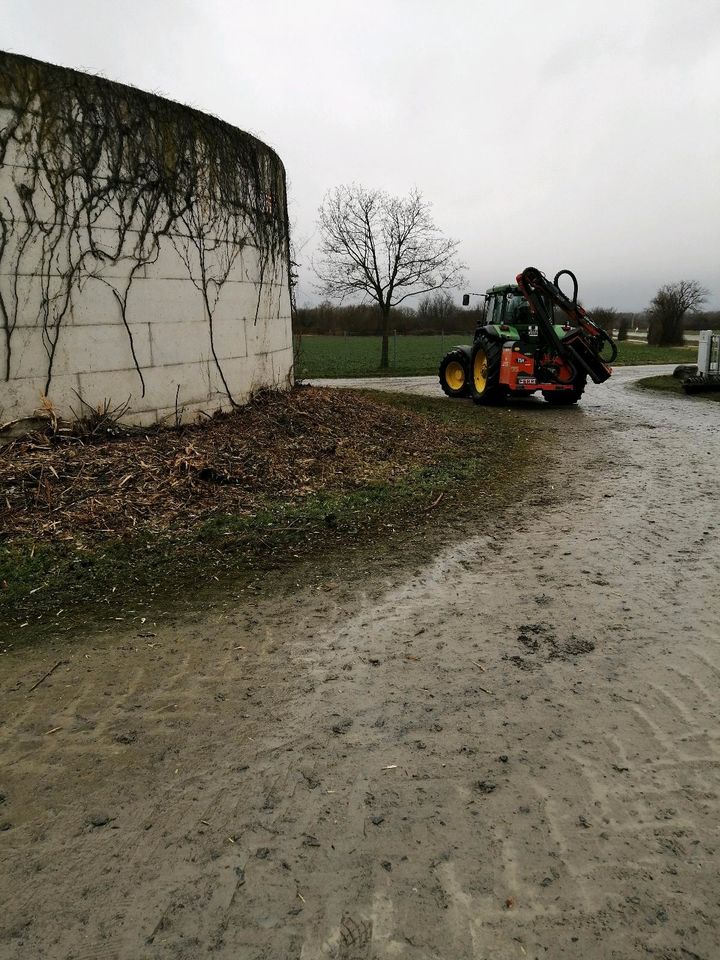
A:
[466,299]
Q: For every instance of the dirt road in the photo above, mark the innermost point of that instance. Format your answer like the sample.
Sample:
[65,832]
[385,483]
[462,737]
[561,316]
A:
[512,752]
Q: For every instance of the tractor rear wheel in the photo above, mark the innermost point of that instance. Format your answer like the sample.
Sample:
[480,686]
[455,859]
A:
[563,398]
[454,374]
[485,370]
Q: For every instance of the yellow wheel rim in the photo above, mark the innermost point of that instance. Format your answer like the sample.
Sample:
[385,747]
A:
[480,369]
[455,375]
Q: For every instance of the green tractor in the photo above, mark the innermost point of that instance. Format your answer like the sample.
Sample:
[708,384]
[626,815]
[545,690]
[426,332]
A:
[531,337]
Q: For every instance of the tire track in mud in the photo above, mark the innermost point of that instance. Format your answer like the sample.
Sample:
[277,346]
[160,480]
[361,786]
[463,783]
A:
[511,753]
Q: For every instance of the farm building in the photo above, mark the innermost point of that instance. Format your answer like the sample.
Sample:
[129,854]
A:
[143,252]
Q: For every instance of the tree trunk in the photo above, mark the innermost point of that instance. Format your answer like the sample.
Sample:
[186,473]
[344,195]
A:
[384,359]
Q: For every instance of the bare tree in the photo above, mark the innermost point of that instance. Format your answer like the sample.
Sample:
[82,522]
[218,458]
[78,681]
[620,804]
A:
[668,308]
[383,248]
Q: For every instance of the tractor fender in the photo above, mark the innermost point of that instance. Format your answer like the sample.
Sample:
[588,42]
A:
[489,331]
[465,348]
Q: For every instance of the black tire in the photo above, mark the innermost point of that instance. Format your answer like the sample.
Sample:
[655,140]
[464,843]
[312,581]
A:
[485,370]
[454,366]
[701,383]
[564,398]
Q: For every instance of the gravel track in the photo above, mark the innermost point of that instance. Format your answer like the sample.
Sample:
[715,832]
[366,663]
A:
[510,752]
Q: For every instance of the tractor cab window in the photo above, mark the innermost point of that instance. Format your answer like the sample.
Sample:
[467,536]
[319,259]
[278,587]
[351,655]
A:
[495,306]
[518,311]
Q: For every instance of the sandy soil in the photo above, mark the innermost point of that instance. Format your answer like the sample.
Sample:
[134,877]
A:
[510,752]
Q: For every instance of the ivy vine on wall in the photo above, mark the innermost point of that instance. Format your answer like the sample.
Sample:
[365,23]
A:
[100,174]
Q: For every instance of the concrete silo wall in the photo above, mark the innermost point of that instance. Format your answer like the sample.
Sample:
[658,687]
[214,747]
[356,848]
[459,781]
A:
[143,252]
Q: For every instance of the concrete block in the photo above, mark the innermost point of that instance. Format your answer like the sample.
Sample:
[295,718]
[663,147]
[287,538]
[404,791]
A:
[94,302]
[229,337]
[22,299]
[94,349]
[274,302]
[168,301]
[42,254]
[25,251]
[238,373]
[282,364]
[176,343]
[261,374]
[18,180]
[252,260]
[217,396]
[116,387]
[63,393]
[20,398]
[244,376]
[274,273]
[162,383]
[91,301]
[268,336]
[177,260]
[285,304]
[29,356]
[115,260]
[239,299]
[114,209]
[236,273]
[143,418]
[15,150]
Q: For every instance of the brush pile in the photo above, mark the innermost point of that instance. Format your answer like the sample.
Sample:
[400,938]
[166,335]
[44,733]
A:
[87,483]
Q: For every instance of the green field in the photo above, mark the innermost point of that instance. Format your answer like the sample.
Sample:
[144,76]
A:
[326,356]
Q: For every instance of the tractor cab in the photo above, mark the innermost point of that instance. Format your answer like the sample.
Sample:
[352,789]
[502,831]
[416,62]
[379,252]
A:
[508,312]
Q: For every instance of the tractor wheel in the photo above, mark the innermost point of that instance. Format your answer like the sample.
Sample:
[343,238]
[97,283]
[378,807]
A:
[485,370]
[563,398]
[454,374]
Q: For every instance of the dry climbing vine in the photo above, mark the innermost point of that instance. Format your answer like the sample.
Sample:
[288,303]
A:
[100,173]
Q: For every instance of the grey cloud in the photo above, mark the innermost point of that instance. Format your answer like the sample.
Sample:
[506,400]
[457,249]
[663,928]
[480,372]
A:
[561,134]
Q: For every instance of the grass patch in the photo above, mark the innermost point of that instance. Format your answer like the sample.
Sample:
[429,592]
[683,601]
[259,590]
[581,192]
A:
[670,384]
[326,356]
[631,354]
[457,459]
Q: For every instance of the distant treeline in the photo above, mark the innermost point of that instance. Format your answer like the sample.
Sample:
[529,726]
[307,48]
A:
[440,313]
[613,319]
[433,315]
[703,320]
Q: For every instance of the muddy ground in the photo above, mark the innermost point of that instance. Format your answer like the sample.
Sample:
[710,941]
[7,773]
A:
[510,752]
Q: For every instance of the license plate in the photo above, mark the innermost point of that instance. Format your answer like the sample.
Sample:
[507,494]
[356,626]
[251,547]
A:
[527,381]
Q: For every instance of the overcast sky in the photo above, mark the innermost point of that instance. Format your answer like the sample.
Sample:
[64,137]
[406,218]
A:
[554,134]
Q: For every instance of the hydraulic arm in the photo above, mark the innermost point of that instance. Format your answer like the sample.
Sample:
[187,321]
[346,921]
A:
[581,347]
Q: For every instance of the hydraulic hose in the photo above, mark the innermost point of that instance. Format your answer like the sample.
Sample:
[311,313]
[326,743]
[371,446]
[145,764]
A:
[603,334]
[568,273]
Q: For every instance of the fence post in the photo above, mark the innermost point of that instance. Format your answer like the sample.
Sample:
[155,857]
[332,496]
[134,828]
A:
[442,342]
[395,349]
